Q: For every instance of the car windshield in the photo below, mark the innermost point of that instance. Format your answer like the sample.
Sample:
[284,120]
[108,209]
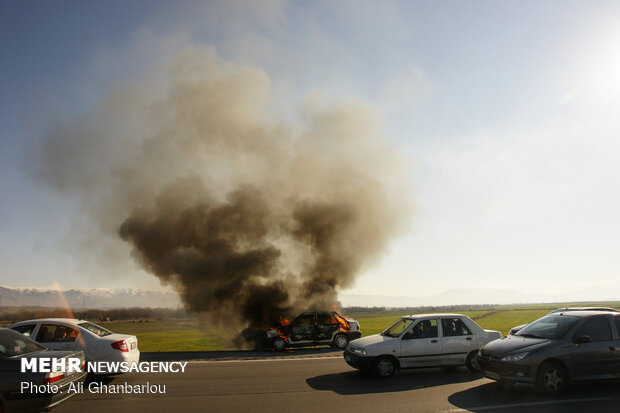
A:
[397,328]
[552,326]
[14,344]
[94,328]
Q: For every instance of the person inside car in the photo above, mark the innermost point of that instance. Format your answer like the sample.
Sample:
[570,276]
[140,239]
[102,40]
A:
[60,334]
[422,329]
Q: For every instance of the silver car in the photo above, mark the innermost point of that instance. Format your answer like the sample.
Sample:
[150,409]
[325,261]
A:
[422,340]
[97,343]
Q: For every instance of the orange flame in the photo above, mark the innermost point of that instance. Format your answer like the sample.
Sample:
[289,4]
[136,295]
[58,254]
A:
[342,322]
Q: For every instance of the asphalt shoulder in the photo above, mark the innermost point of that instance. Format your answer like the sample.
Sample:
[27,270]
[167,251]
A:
[239,354]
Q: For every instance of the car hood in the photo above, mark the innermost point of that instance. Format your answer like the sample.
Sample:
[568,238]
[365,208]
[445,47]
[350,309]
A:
[376,344]
[371,340]
[513,344]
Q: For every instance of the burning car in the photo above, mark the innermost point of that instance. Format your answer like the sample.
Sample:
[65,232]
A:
[312,328]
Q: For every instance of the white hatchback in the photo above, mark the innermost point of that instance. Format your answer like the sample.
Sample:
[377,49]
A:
[97,343]
[423,340]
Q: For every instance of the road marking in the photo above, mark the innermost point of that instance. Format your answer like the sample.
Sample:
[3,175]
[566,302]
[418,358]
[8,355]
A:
[509,406]
[270,359]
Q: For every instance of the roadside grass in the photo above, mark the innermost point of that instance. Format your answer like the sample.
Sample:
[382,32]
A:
[189,335]
[503,321]
[171,335]
[182,340]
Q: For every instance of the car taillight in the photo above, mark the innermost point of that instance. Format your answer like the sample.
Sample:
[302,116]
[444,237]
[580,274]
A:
[53,377]
[121,345]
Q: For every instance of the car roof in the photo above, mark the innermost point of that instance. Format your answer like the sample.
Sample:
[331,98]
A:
[53,320]
[585,313]
[599,309]
[430,315]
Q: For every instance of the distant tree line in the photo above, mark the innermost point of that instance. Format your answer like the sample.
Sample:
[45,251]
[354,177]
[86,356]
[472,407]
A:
[13,315]
[421,309]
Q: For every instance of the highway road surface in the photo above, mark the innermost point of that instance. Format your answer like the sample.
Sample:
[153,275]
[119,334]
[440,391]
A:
[322,382]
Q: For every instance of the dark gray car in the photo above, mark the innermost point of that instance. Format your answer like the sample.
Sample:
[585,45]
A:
[556,350]
[515,329]
[14,347]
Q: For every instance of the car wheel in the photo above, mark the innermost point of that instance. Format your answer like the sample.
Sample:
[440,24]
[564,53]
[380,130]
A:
[385,367]
[552,378]
[340,341]
[472,362]
[279,344]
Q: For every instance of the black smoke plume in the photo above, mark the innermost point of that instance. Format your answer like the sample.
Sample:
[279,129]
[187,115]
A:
[249,217]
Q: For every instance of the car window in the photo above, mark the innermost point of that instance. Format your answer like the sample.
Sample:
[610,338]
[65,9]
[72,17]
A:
[454,327]
[617,323]
[551,326]
[304,320]
[95,329]
[596,328]
[14,344]
[425,329]
[397,328]
[54,333]
[325,318]
[25,329]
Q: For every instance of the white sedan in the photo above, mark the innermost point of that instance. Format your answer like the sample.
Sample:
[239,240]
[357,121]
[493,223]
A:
[422,340]
[97,343]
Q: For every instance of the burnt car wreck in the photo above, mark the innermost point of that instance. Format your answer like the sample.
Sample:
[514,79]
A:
[314,328]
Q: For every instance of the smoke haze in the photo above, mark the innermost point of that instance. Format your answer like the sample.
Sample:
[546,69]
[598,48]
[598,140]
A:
[249,216]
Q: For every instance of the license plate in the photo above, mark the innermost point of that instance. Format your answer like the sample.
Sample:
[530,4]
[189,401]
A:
[133,346]
[347,358]
[492,375]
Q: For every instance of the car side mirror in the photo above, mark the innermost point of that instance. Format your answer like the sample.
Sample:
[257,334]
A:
[581,339]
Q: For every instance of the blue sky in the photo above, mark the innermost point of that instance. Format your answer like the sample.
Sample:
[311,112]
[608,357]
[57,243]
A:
[507,112]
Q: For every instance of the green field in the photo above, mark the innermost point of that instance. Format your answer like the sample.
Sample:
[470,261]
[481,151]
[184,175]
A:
[173,335]
[189,335]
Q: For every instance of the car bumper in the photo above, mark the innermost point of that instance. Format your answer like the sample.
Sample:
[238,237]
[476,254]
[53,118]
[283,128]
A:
[505,371]
[115,356]
[122,356]
[16,401]
[354,335]
[358,362]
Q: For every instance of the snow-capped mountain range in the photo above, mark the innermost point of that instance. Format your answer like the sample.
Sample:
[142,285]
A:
[88,298]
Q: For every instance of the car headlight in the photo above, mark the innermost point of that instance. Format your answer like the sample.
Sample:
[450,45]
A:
[357,350]
[515,357]
[272,333]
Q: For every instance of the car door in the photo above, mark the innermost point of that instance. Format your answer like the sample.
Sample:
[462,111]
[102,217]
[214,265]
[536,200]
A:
[596,358]
[616,347]
[303,328]
[420,345]
[326,326]
[57,337]
[457,340]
